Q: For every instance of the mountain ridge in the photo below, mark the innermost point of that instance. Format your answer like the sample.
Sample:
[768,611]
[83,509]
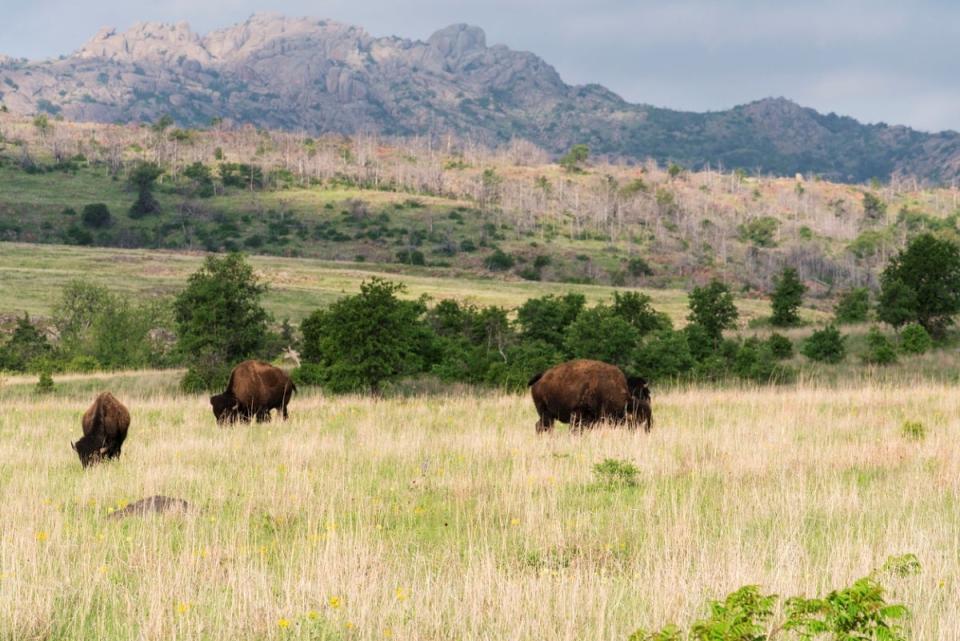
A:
[322,76]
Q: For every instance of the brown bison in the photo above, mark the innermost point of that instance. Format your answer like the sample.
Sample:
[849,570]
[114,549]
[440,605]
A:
[254,389]
[105,427]
[584,392]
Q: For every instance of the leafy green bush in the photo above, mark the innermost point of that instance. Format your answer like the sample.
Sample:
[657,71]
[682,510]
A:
[853,307]
[914,339]
[713,309]
[859,612]
[44,383]
[926,277]
[762,231]
[780,346]
[825,345]
[499,261]
[96,215]
[880,350]
[616,473]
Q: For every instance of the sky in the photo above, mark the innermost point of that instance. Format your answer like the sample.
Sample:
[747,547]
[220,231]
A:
[875,60]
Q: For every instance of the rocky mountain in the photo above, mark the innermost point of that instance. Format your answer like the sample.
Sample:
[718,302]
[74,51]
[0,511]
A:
[322,76]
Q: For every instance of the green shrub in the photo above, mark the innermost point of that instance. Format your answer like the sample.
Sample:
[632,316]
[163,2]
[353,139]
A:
[499,261]
[880,350]
[780,346]
[96,215]
[825,345]
[761,232]
[82,364]
[914,339]
[853,307]
[44,383]
[616,473]
[913,430]
[786,299]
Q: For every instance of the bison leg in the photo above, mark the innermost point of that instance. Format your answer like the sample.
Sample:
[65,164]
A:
[263,416]
[545,424]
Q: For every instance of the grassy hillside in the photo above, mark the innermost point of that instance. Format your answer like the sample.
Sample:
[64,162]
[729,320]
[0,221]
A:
[455,206]
[446,517]
[34,275]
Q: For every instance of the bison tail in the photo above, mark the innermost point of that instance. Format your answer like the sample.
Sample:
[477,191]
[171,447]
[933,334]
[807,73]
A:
[536,377]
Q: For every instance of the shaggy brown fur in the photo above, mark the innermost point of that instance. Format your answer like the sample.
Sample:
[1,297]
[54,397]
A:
[105,426]
[584,392]
[254,389]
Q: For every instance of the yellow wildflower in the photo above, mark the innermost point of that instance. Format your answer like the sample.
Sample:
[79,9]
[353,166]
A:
[283,624]
[401,595]
[42,536]
[183,607]
[335,602]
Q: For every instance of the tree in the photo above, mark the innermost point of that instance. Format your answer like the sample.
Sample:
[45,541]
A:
[220,319]
[788,292]
[873,207]
[573,159]
[25,349]
[363,341]
[636,309]
[547,318]
[142,178]
[854,306]
[923,279]
[42,124]
[96,215]
[826,345]
[712,308]
[601,334]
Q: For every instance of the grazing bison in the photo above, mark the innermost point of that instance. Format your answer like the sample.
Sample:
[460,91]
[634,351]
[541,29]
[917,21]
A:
[105,427]
[583,392]
[254,389]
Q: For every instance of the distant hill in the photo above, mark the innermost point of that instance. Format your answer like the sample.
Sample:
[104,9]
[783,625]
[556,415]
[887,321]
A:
[321,76]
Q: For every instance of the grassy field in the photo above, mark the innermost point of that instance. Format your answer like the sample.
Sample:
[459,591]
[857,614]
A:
[448,518]
[34,275]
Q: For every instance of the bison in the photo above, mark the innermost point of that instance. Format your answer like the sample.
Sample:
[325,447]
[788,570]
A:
[105,426]
[584,392]
[254,389]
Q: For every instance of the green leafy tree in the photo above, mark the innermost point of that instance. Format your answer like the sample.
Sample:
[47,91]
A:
[897,304]
[143,178]
[928,272]
[664,355]
[26,348]
[602,335]
[788,291]
[853,306]
[362,342]
[548,317]
[825,345]
[220,319]
[637,309]
[201,180]
[574,159]
[712,308]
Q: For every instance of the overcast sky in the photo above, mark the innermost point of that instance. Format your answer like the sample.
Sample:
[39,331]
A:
[895,62]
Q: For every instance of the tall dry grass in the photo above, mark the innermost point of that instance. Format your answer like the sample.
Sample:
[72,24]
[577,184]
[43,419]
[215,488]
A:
[448,518]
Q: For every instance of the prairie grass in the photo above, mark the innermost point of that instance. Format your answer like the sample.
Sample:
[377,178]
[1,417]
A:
[434,517]
[33,277]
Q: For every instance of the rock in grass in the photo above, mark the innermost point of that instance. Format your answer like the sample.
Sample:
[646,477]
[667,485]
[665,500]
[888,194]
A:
[154,504]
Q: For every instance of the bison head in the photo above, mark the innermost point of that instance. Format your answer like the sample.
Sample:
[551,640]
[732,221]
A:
[89,451]
[226,407]
[640,401]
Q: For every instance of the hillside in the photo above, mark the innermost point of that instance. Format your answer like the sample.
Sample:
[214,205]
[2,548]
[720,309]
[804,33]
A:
[319,76]
[507,213]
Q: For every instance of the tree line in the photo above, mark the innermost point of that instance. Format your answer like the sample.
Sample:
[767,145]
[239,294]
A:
[374,338]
